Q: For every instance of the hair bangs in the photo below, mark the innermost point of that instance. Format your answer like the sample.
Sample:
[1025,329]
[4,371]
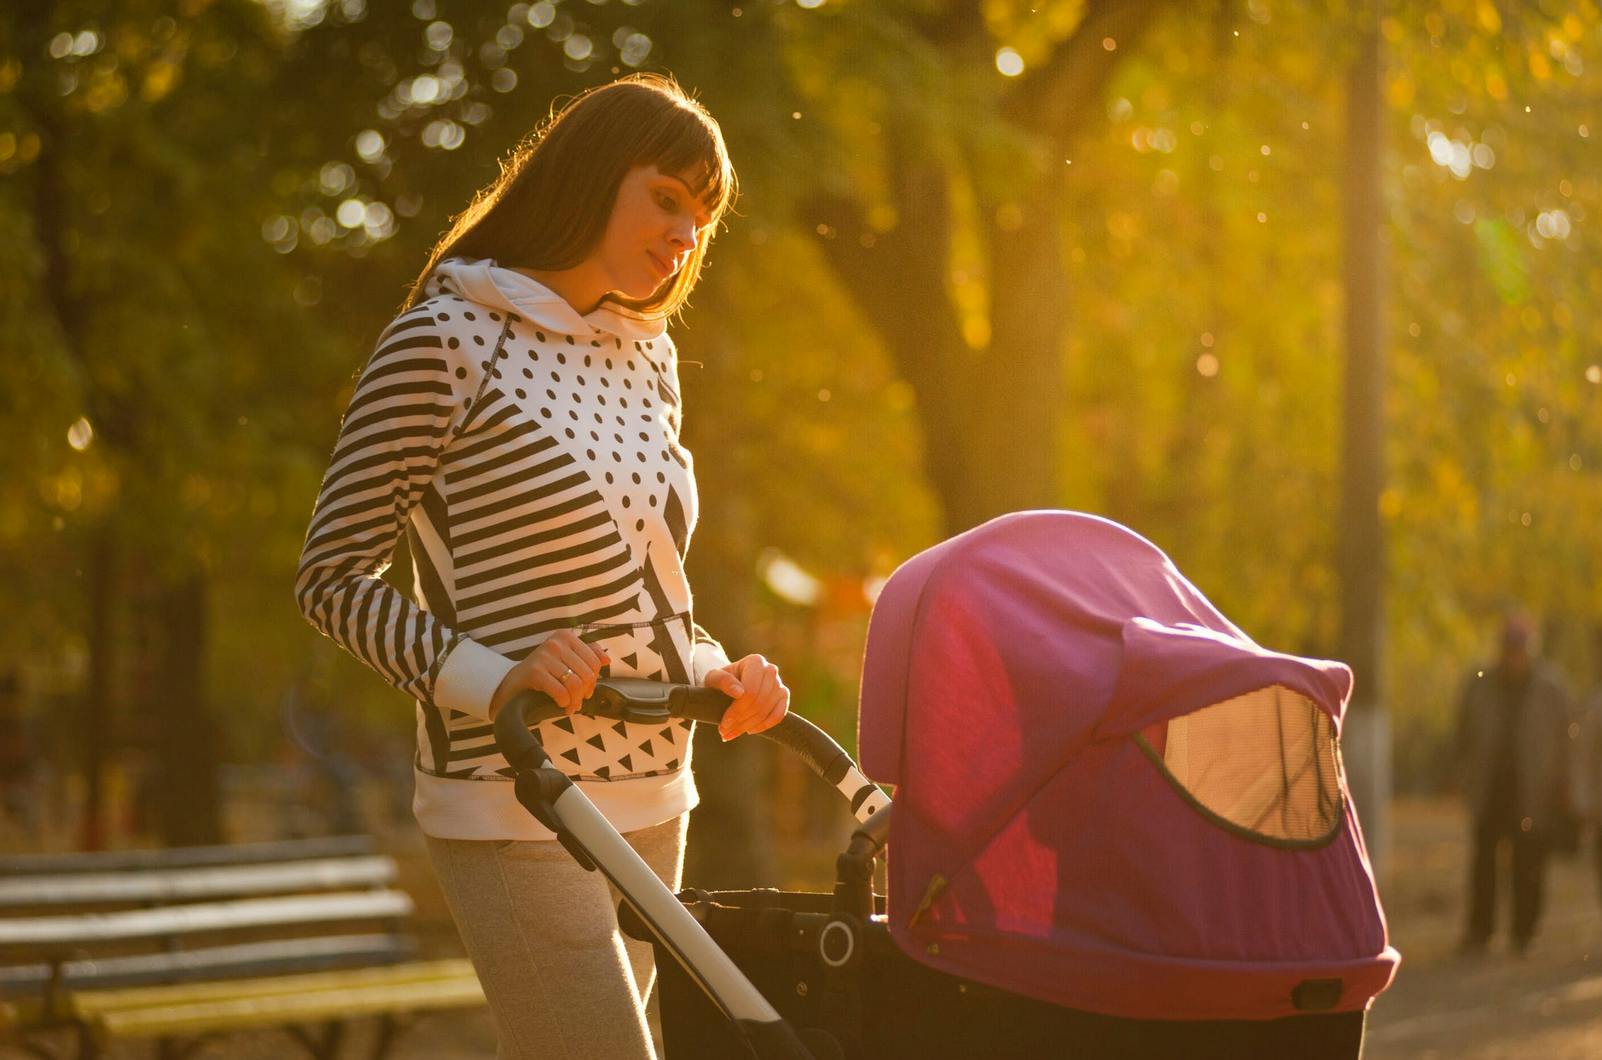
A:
[689,145]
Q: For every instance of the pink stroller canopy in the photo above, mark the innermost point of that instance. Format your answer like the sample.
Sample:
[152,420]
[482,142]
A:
[1108,796]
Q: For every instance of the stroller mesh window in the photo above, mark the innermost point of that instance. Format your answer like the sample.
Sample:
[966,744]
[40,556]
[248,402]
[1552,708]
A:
[1264,763]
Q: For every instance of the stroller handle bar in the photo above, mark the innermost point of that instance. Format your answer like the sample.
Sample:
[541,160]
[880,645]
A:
[561,806]
[630,699]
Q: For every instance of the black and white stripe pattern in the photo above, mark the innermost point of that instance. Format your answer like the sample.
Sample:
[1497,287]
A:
[539,479]
[389,443]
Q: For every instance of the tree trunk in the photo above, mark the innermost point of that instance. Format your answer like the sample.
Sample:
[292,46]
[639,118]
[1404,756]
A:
[1018,392]
[97,715]
[52,222]
[187,748]
[898,280]
[991,417]
[1362,546]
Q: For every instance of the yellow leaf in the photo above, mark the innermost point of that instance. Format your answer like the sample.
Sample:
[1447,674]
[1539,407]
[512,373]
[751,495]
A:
[882,216]
[1495,84]
[1400,91]
[976,332]
[159,80]
[1490,21]
[1539,67]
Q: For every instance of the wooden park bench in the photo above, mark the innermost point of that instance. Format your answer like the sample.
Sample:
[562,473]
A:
[180,944]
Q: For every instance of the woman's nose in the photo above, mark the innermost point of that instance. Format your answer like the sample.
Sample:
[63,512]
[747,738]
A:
[684,234]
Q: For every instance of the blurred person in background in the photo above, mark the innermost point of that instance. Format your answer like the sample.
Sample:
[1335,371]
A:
[1514,749]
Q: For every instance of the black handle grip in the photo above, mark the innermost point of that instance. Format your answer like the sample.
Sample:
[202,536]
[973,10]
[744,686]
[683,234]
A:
[705,705]
[815,747]
[512,735]
[629,699]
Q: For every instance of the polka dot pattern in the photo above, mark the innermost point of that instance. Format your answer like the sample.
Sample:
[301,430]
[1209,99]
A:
[586,385]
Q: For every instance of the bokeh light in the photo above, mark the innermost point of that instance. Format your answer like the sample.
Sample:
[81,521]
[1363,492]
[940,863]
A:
[81,434]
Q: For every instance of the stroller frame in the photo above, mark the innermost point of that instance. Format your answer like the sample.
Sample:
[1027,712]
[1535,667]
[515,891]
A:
[703,986]
[589,837]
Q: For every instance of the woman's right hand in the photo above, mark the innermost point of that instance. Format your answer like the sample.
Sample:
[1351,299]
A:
[563,666]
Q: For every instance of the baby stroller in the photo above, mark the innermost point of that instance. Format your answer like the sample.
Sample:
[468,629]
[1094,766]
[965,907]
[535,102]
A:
[1121,829]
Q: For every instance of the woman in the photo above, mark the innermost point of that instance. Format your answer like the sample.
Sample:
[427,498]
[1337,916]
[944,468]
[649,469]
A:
[519,422]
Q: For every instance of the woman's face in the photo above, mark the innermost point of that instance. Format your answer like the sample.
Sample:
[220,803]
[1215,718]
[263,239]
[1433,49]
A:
[655,224]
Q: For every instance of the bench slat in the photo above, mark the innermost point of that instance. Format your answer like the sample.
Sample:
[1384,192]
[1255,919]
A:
[250,958]
[242,1012]
[253,889]
[86,928]
[95,1002]
[187,857]
[176,885]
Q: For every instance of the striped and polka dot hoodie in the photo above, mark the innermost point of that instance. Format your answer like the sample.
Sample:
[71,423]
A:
[531,457]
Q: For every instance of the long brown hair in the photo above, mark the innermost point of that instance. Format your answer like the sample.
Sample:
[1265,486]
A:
[549,207]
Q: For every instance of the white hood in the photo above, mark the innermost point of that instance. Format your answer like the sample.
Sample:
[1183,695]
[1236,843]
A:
[489,284]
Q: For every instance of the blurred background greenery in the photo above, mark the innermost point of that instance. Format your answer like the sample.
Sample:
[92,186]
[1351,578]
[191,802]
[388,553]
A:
[995,255]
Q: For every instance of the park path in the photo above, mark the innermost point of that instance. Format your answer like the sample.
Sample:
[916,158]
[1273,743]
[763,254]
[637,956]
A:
[1546,1005]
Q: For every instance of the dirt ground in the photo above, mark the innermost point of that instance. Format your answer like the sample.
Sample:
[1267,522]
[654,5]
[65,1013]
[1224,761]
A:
[1545,1005]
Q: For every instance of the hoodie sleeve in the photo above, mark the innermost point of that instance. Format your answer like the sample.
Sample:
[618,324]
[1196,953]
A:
[410,400]
[706,655]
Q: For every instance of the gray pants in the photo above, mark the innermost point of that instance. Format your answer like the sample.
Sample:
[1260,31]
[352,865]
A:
[561,979]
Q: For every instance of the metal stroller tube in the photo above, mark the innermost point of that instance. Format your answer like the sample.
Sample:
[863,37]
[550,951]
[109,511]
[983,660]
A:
[559,805]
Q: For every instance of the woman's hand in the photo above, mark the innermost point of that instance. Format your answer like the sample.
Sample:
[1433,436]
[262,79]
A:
[563,666]
[760,698]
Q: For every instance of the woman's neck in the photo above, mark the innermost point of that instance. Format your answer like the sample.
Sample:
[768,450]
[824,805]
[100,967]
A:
[579,290]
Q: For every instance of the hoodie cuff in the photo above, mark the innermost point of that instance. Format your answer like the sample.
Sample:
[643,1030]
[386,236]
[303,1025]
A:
[469,678]
[706,656]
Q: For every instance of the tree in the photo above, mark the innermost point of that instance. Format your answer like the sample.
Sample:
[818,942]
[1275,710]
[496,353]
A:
[1361,559]
[984,365]
[921,314]
[141,216]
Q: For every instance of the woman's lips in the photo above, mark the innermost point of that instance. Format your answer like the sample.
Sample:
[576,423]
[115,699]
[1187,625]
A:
[661,266]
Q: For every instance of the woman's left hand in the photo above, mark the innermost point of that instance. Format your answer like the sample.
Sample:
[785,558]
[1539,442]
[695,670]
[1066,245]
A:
[760,698]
